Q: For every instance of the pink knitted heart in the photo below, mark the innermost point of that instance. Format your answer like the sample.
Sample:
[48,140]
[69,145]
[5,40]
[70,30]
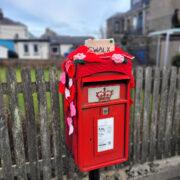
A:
[63,78]
[72,109]
[118,58]
[71,128]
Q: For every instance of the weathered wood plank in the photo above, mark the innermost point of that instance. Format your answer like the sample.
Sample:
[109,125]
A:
[5,150]
[20,87]
[162,113]
[44,126]
[131,126]
[16,124]
[30,125]
[70,166]
[170,108]
[176,124]
[154,114]
[146,114]
[137,114]
[57,136]
[27,167]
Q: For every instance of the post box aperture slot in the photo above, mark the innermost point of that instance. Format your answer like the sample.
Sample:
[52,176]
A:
[103,93]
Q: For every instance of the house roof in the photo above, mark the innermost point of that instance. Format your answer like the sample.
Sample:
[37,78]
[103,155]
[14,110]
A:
[116,15]
[7,21]
[76,40]
[127,13]
[54,38]
[31,40]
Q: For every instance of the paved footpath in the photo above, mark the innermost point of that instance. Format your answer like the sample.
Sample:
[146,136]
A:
[166,169]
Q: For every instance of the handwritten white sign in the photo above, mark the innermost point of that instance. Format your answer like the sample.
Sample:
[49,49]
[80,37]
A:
[99,46]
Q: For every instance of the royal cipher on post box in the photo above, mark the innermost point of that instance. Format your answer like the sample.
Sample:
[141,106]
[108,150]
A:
[96,90]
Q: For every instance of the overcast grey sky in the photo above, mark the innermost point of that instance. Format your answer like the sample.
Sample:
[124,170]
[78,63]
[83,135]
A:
[67,17]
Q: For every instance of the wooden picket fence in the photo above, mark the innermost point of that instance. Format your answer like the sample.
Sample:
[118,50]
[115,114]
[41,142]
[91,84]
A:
[32,130]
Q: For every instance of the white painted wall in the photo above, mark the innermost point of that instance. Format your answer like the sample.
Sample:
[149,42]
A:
[10,32]
[64,48]
[3,52]
[43,50]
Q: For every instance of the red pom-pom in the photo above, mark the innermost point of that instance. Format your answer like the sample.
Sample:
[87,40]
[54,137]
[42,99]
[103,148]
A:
[61,88]
[66,104]
[72,93]
[70,68]
[71,71]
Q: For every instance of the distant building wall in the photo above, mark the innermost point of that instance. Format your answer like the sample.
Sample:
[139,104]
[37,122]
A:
[144,17]
[13,31]
[174,49]
[3,52]
[138,3]
[131,32]
[160,14]
[32,50]
[65,48]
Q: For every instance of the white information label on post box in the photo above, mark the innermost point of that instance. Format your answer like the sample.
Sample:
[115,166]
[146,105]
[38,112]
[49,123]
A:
[105,134]
[104,93]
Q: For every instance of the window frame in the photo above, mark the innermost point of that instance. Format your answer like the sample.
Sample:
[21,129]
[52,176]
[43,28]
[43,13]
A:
[34,47]
[26,49]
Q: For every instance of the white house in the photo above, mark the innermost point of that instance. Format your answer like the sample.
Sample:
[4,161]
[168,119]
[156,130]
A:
[32,48]
[63,45]
[3,52]
[10,29]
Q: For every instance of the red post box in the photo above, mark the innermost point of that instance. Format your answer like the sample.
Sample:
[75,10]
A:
[97,104]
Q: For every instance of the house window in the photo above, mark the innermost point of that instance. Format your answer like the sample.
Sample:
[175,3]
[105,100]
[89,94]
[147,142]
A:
[26,49]
[135,21]
[123,26]
[116,27]
[36,49]
[55,50]
[140,23]
[128,26]
[16,36]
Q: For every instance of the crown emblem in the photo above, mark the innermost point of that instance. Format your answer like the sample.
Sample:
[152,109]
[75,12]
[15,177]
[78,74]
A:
[104,95]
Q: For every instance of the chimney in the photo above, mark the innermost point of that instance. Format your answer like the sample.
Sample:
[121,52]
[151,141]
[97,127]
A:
[1,14]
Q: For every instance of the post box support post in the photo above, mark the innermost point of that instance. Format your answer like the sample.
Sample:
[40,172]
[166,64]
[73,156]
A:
[94,175]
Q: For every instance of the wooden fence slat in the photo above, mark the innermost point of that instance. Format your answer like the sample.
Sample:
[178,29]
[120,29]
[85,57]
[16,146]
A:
[5,150]
[146,114]
[31,126]
[57,136]
[169,115]
[131,127]
[154,114]
[44,126]
[16,125]
[137,113]
[176,127]
[162,114]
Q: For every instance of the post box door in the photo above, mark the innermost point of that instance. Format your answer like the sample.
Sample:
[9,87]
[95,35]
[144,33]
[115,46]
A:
[102,128]
[103,135]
